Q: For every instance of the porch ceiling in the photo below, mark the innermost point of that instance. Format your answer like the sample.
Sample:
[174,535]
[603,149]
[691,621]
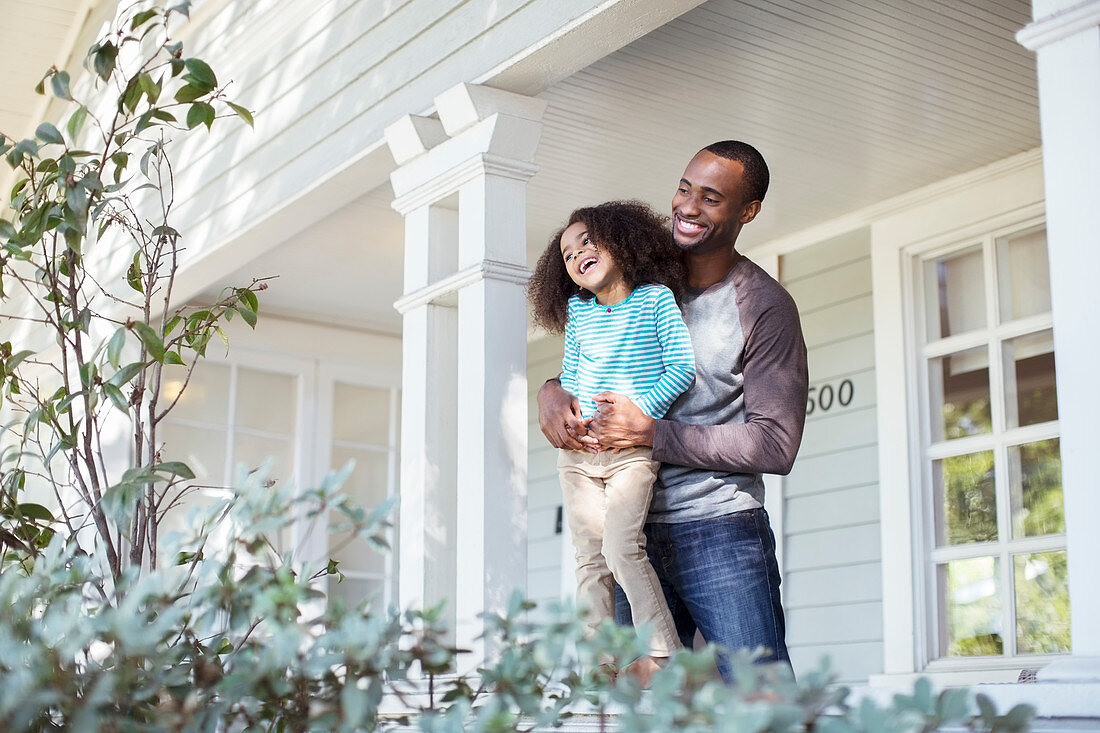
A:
[851,102]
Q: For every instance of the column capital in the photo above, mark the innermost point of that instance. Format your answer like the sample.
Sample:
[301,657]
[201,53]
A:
[444,291]
[480,131]
[1059,24]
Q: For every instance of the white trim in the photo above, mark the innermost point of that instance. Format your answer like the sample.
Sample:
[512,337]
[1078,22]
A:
[1060,25]
[970,206]
[439,292]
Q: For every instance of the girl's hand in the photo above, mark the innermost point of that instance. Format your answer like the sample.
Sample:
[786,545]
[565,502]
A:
[560,417]
[619,423]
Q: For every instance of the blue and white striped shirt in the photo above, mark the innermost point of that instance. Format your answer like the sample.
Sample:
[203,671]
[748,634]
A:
[639,348]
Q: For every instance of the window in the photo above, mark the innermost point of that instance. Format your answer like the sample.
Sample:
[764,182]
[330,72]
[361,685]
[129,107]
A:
[307,417]
[232,413]
[992,529]
[364,428]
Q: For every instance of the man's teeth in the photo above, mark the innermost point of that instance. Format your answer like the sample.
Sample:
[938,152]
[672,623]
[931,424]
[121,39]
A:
[689,224]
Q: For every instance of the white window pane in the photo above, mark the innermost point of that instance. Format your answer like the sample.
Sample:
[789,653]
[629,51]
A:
[367,486]
[959,390]
[354,591]
[1035,487]
[966,499]
[205,397]
[202,449]
[971,610]
[360,414]
[954,293]
[1030,393]
[1023,274]
[253,451]
[1042,603]
[266,401]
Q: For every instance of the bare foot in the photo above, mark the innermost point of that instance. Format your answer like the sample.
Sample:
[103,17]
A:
[642,669]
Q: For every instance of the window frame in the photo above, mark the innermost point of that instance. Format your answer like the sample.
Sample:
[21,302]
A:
[999,440]
[899,245]
[328,374]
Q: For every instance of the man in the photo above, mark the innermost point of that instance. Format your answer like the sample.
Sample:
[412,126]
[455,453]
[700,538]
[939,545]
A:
[709,538]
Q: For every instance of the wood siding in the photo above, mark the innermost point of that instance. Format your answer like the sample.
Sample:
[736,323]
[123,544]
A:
[325,78]
[544,548]
[832,587]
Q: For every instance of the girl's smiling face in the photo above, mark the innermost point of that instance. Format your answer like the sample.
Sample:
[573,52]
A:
[590,267]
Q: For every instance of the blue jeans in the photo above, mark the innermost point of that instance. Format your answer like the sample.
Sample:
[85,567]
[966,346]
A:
[719,576]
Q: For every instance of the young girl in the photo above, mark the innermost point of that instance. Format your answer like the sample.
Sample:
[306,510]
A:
[607,279]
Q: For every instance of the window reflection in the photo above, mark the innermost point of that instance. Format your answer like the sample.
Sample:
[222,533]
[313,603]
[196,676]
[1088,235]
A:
[971,608]
[966,499]
[954,294]
[1035,485]
[1042,603]
[959,387]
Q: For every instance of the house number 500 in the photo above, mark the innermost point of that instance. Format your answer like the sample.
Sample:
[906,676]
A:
[826,397]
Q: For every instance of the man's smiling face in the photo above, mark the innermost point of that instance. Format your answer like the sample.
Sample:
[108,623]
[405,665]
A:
[709,209]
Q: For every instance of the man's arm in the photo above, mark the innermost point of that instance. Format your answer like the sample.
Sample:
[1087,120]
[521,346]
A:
[775,390]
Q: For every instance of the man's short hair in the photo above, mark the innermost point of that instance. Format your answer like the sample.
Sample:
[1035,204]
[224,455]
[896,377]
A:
[756,170]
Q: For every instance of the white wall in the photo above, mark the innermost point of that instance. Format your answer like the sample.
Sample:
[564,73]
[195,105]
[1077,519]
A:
[832,577]
[546,575]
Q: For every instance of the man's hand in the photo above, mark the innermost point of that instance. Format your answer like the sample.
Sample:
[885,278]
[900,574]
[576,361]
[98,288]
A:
[619,423]
[560,418]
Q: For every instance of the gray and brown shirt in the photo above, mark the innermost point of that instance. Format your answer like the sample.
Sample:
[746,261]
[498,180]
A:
[745,412]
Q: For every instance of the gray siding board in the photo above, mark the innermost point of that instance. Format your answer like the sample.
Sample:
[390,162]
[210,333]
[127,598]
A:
[833,470]
[843,584]
[853,662]
[831,539]
[856,505]
[544,552]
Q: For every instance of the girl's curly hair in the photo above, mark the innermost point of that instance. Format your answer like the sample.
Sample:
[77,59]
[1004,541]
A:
[638,240]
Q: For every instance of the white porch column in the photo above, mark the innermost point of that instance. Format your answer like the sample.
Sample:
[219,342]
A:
[461,185]
[1065,36]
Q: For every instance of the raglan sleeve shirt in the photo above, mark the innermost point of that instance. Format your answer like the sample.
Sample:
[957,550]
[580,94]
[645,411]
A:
[775,392]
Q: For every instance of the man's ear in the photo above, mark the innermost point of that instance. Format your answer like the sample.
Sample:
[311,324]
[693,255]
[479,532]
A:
[749,211]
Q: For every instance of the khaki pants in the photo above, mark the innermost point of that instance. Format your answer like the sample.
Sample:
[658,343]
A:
[607,499]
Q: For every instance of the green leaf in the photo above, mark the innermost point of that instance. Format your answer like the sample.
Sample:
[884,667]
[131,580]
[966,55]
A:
[249,299]
[199,74]
[243,113]
[173,357]
[141,18]
[126,373]
[17,359]
[114,394]
[104,62]
[199,114]
[76,121]
[114,346]
[35,511]
[150,87]
[47,133]
[59,82]
[150,339]
[164,115]
[175,468]
[7,231]
[171,325]
[249,316]
[133,274]
[88,373]
[189,93]
[144,121]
